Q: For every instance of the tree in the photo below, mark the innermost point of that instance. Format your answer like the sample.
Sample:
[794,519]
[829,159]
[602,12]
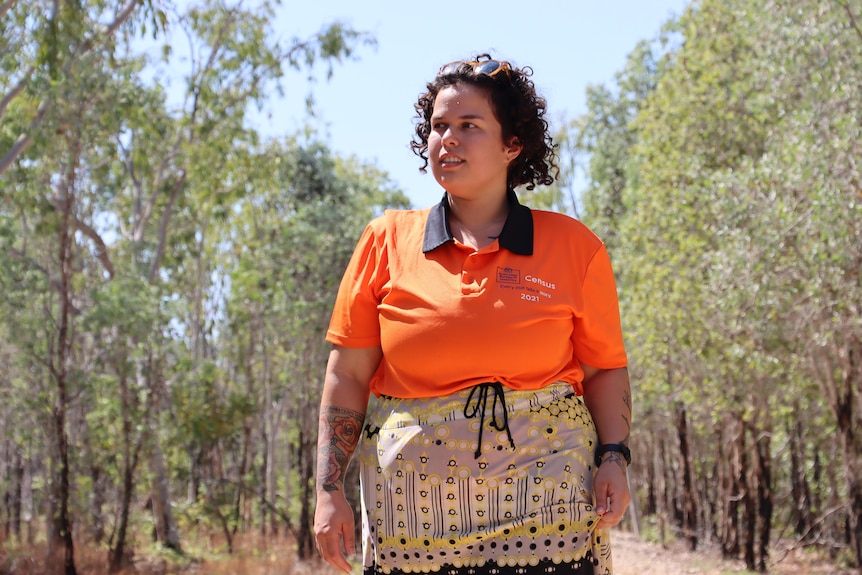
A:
[43,43]
[742,153]
[108,184]
[294,235]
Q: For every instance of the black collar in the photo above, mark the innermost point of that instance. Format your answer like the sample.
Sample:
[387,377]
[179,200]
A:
[517,234]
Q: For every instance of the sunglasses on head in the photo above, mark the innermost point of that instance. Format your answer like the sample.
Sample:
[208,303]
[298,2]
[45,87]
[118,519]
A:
[488,68]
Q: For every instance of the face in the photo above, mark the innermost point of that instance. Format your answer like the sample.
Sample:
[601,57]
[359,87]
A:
[466,150]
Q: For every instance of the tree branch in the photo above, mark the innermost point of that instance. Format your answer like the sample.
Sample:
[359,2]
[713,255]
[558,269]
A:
[180,183]
[163,227]
[123,15]
[99,39]
[101,248]
[23,141]
[6,6]
[853,22]
[17,89]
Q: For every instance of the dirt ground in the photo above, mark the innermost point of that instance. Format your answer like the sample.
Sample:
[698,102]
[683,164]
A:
[635,557]
[632,556]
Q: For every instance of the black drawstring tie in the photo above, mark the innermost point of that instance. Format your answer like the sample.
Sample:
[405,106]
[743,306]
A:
[480,406]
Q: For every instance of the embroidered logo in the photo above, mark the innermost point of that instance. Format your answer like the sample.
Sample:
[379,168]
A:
[508,276]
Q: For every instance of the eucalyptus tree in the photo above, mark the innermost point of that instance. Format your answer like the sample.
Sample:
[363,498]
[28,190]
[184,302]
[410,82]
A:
[701,120]
[714,174]
[98,172]
[746,151]
[207,166]
[48,187]
[805,193]
[48,51]
[601,142]
[295,231]
[44,42]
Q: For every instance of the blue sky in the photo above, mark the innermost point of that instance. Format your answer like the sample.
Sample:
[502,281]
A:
[366,108]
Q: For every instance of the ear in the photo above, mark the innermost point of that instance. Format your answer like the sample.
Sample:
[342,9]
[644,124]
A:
[513,148]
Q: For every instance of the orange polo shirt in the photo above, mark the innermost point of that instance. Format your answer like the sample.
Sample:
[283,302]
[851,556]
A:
[525,310]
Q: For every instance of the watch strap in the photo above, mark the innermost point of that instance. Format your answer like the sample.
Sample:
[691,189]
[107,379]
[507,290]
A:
[615,447]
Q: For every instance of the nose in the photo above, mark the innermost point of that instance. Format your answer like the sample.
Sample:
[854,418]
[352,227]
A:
[449,137]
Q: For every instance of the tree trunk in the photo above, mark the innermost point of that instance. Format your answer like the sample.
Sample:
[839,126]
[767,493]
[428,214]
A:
[293,459]
[118,559]
[271,427]
[710,485]
[306,464]
[850,428]
[17,493]
[851,443]
[263,487]
[118,551]
[634,514]
[246,434]
[799,490]
[225,527]
[764,497]
[61,554]
[843,387]
[193,488]
[96,511]
[652,479]
[27,503]
[166,528]
[689,507]
[660,463]
[746,479]
[731,492]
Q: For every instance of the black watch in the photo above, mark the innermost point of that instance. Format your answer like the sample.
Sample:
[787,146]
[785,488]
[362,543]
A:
[618,447]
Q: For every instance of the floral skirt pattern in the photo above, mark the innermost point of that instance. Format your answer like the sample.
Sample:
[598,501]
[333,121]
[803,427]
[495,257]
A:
[488,480]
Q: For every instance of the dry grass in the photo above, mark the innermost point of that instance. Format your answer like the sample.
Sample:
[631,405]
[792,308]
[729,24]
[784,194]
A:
[253,555]
[256,555]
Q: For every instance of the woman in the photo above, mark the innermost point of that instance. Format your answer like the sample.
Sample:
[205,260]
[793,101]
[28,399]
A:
[490,335]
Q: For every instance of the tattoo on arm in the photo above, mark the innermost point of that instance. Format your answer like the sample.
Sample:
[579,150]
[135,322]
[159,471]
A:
[616,458]
[338,435]
[627,401]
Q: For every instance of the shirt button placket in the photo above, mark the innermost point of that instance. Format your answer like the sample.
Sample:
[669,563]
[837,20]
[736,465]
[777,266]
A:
[469,285]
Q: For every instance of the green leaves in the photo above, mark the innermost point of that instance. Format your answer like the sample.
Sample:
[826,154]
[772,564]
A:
[197,261]
[725,176]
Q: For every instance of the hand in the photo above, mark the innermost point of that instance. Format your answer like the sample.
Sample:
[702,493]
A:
[333,525]
[611,491]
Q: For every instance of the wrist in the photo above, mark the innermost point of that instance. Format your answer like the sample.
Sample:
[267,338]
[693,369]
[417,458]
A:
[618,451]
[331,488]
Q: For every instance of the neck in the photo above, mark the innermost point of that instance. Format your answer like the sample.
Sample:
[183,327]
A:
[477,222]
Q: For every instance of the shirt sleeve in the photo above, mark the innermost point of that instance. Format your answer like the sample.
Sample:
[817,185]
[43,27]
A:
[355,320]
[597,337]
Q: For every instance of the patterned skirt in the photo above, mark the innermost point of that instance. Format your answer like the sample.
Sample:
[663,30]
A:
[488,480]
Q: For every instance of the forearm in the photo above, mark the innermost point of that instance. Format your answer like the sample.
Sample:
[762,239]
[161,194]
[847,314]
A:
[338,434]
[342,412]
[607,394]
[608,397]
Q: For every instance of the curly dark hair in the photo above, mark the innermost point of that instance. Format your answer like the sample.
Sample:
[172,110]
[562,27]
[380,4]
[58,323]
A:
[516,105]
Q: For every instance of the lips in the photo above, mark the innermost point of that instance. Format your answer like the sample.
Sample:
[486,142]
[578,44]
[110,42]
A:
[448,161]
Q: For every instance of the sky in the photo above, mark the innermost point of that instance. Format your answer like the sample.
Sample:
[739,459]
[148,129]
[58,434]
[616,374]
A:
[366,108]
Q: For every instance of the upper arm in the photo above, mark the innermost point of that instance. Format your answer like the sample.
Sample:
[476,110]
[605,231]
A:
[615,374]
[348,375]
[589,371]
